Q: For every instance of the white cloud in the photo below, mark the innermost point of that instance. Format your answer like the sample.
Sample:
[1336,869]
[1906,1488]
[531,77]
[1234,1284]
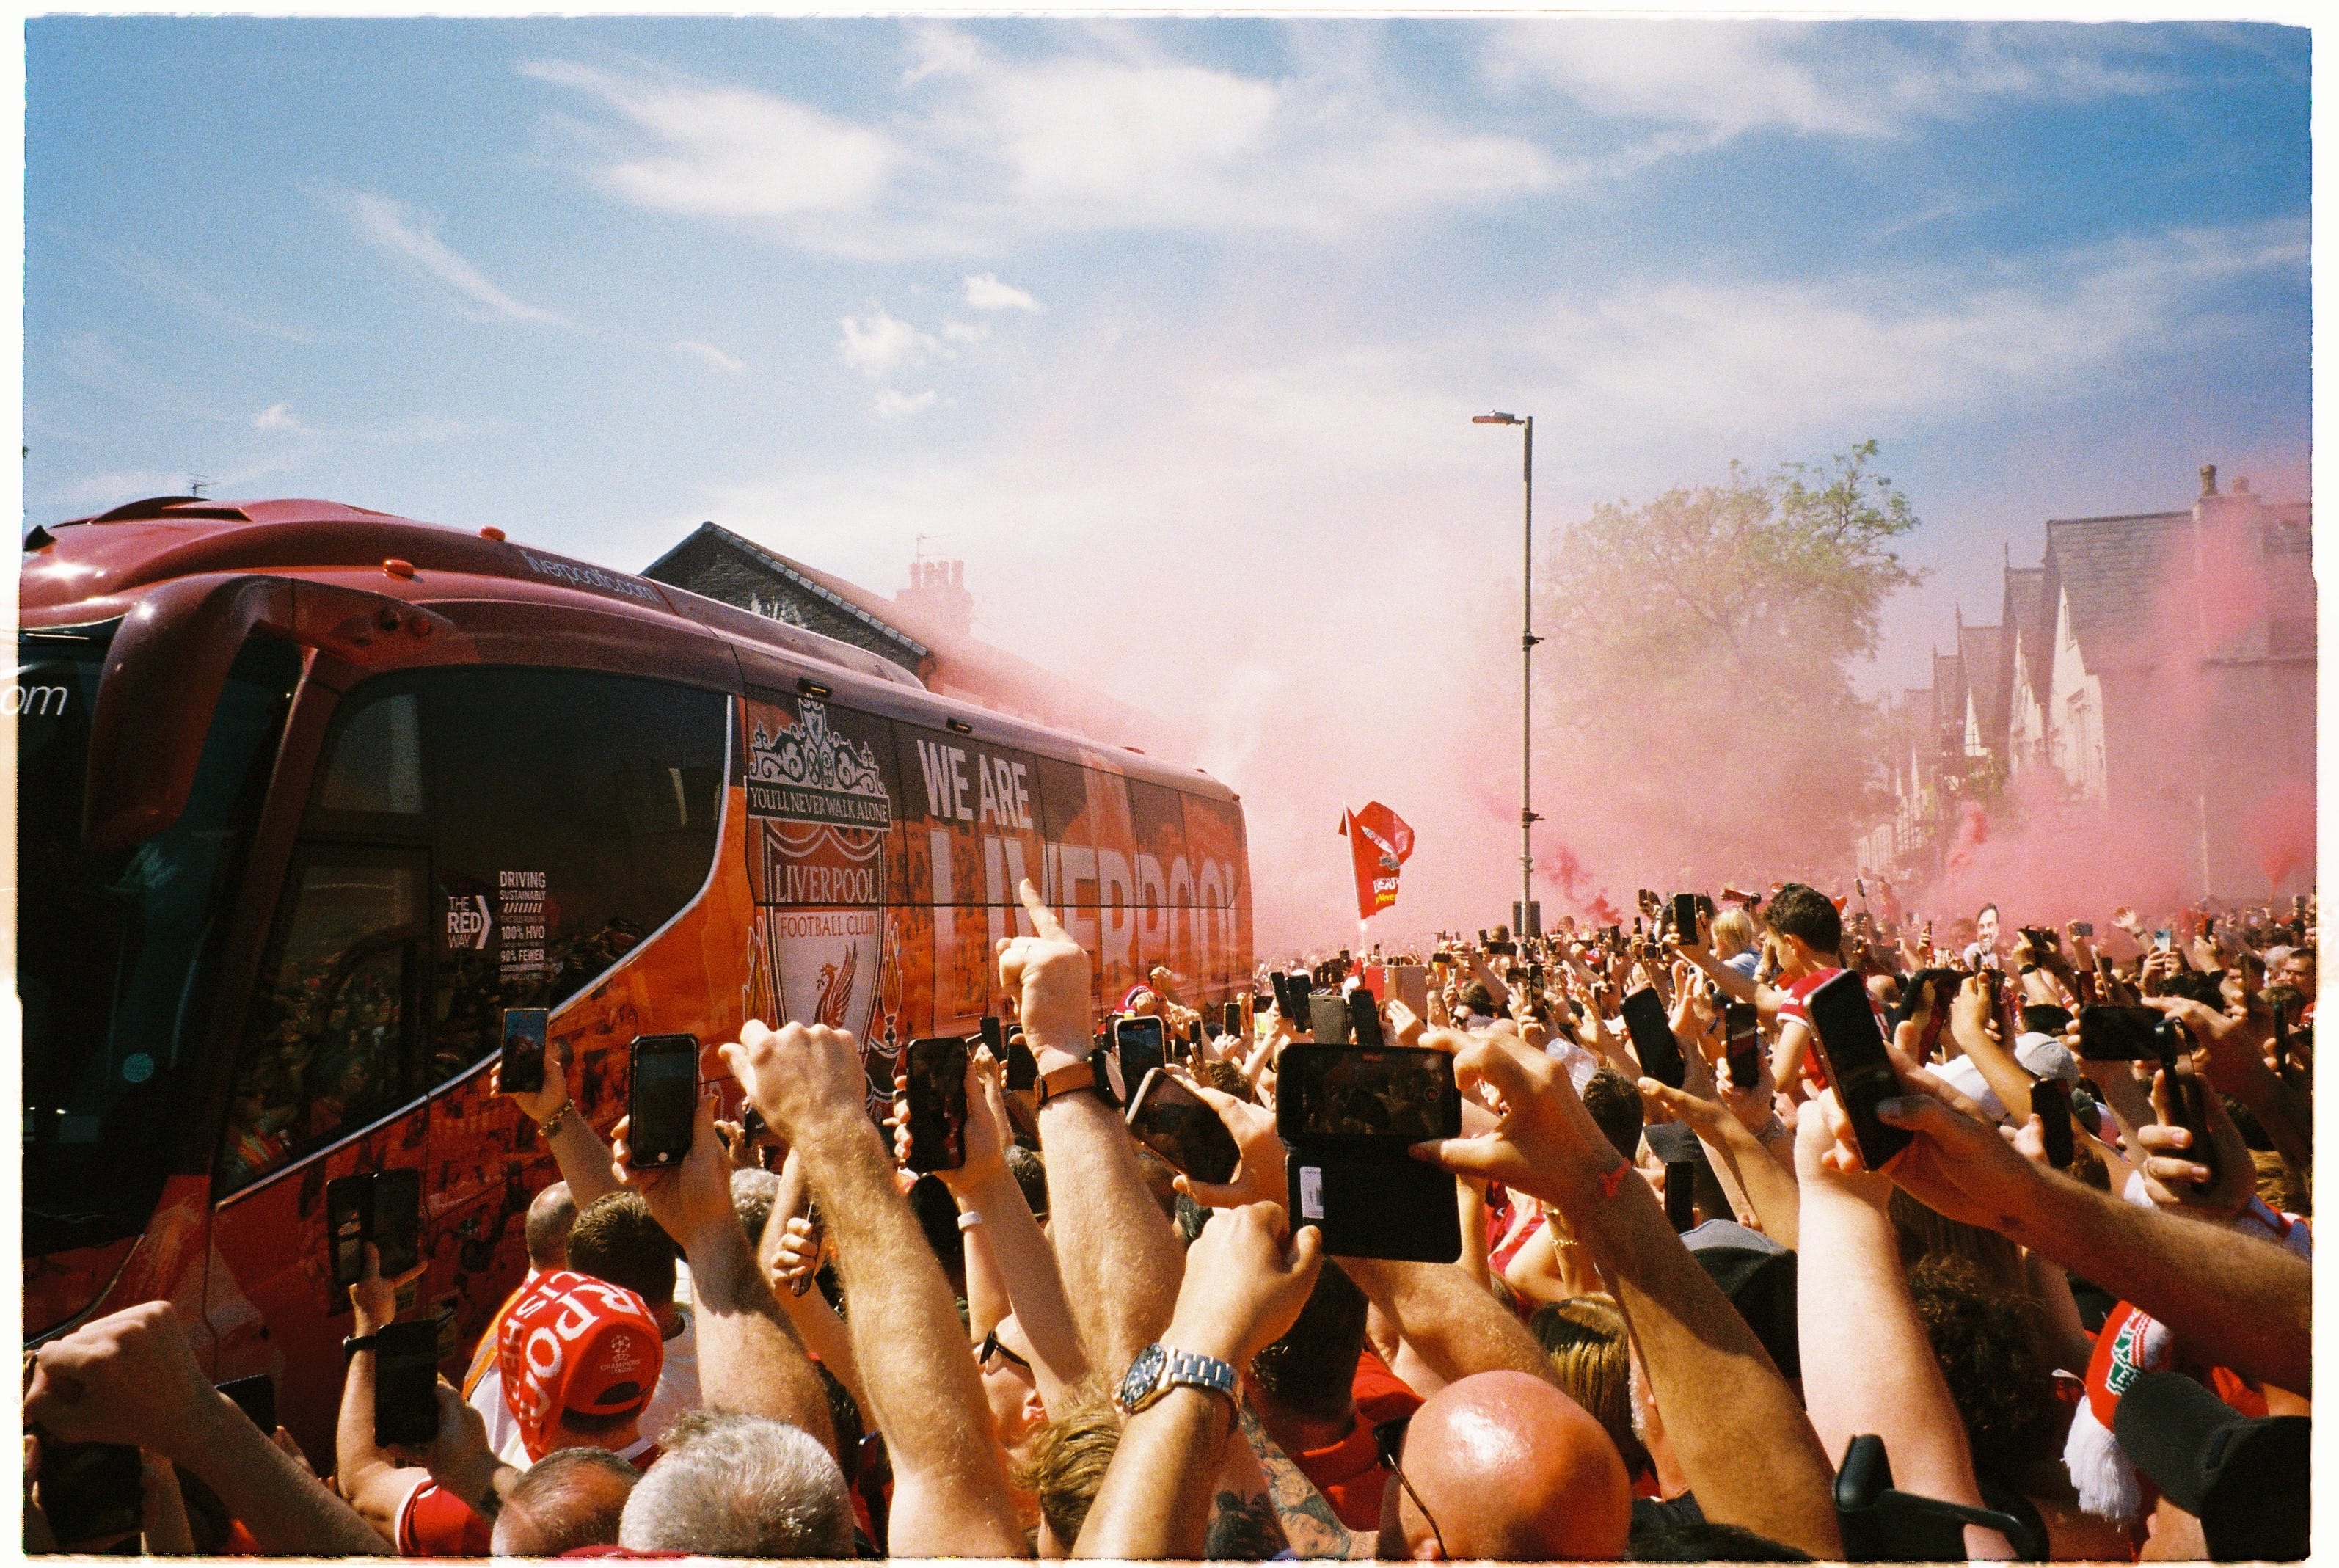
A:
[396,228]
[711,355]
[893,405]
[1010,147]
[1862,79]
[280,417]
[730,153]
[968,332]
[879,344]
[984,291]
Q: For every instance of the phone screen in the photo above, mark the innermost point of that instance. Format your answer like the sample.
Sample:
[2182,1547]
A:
[1177,1124]
[1022,1067]
[522,1067]
[1341,1091]
[2108,1033]
[398,1218]
[256,1397]
[1653,1038]
[662,1099]
[1139,1046]
[1851,1048]
[348,1219]
[935,1090]
[2050,1098]
[405,1378]
[90,1491]
[1685,916]
[1365,1019]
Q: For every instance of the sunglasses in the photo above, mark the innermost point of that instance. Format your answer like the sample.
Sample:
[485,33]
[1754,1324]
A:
[1389,1437]
[993,1346]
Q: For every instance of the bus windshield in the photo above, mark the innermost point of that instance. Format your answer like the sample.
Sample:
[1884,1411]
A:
[114,952]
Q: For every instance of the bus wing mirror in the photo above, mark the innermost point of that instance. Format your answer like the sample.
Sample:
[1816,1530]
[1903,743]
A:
[169,661]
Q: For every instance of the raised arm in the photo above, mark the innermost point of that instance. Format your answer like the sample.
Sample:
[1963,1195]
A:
[950,1497]
[749,1356]
[584,1160]
[1246,1279]
[132,1378]
[2235,1300]
[1009,1264]
[367,1473]
[1121,1260]
[1867,1365]
[1737,1430]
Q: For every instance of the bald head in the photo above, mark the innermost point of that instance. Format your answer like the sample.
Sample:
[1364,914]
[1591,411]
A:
[1510,1467]
[550,1218]
[571,1497]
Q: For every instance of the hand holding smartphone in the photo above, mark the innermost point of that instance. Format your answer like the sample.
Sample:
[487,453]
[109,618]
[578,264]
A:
[521,1069]
[1852,1050]
[934,1087]
[662,1100]
[1179,1126]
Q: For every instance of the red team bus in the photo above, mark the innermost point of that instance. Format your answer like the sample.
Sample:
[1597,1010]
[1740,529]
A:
[308,794]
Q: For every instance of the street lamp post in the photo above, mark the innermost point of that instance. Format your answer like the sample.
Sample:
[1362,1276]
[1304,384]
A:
[1527,918]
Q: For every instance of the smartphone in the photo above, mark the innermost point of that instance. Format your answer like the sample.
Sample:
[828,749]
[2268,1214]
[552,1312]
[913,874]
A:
[1179,1126]
[2108,1033]
[1022,1067]
[1330,1019]
[1653,1038]
[935,1071]
[662,1099]
[751,1126]
[1482,936]
[993,1036]
[2086,928]
[2185,1092]
[89,1490]
[1441,957]
[1852,1050]
[256,1397]
[348,1208]
[1680,1195]
[2160,940]
[2050,1099]
[405,1384]
[1342,1093]
[1745,1058]
[1364,1014]
[1685,917]
[1139,1045]
[522,1067]
[1231,1020]
[1930,990]
[397,1225]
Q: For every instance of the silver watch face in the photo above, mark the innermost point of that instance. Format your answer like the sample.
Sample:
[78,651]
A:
[1143,1373]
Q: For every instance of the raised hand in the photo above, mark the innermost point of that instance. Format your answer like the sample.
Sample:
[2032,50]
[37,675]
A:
[2175,1179]
[1543,1143]
[1049,975]
[1247,1278]
[1260,1175]
[692,1199]
[806,1080]
[539,1104]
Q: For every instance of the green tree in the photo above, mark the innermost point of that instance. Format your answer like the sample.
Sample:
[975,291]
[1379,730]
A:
[1704,716]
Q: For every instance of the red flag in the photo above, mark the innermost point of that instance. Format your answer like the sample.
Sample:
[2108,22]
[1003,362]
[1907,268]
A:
[1379,843]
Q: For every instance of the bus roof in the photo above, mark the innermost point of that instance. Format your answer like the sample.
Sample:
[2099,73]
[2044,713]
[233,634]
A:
[96,568]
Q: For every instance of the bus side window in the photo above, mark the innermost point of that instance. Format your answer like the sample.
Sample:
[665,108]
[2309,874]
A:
[329,1045]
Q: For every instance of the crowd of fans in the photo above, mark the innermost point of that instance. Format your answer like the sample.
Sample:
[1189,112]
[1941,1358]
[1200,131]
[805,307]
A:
[787,1345]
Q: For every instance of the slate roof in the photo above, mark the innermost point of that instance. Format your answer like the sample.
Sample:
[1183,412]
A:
[2117,571]
[1981,651]
[2023,616]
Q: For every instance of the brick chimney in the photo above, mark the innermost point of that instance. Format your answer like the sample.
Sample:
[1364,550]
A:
[937,594]
[2208,479]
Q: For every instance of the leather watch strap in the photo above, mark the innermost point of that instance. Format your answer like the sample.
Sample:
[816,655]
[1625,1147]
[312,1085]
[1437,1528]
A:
[1072,1079]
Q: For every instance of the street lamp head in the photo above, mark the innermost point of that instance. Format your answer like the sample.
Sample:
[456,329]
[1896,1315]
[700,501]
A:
[1494,419]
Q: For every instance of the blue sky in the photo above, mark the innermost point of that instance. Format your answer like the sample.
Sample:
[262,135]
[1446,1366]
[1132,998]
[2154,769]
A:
[1170,329]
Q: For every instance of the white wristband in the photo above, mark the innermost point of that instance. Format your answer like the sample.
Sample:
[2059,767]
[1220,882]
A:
[970,1220]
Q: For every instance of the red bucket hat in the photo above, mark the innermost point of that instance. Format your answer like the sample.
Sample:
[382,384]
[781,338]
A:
[574,1343]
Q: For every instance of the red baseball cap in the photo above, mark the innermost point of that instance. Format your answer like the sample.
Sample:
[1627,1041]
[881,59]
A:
[573,1343]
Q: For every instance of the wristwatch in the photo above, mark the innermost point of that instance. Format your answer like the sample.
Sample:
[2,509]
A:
[1086,1073]
[350,1347]
[1158,1369]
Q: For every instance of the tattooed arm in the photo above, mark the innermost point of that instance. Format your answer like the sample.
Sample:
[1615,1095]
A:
[1301,1516]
